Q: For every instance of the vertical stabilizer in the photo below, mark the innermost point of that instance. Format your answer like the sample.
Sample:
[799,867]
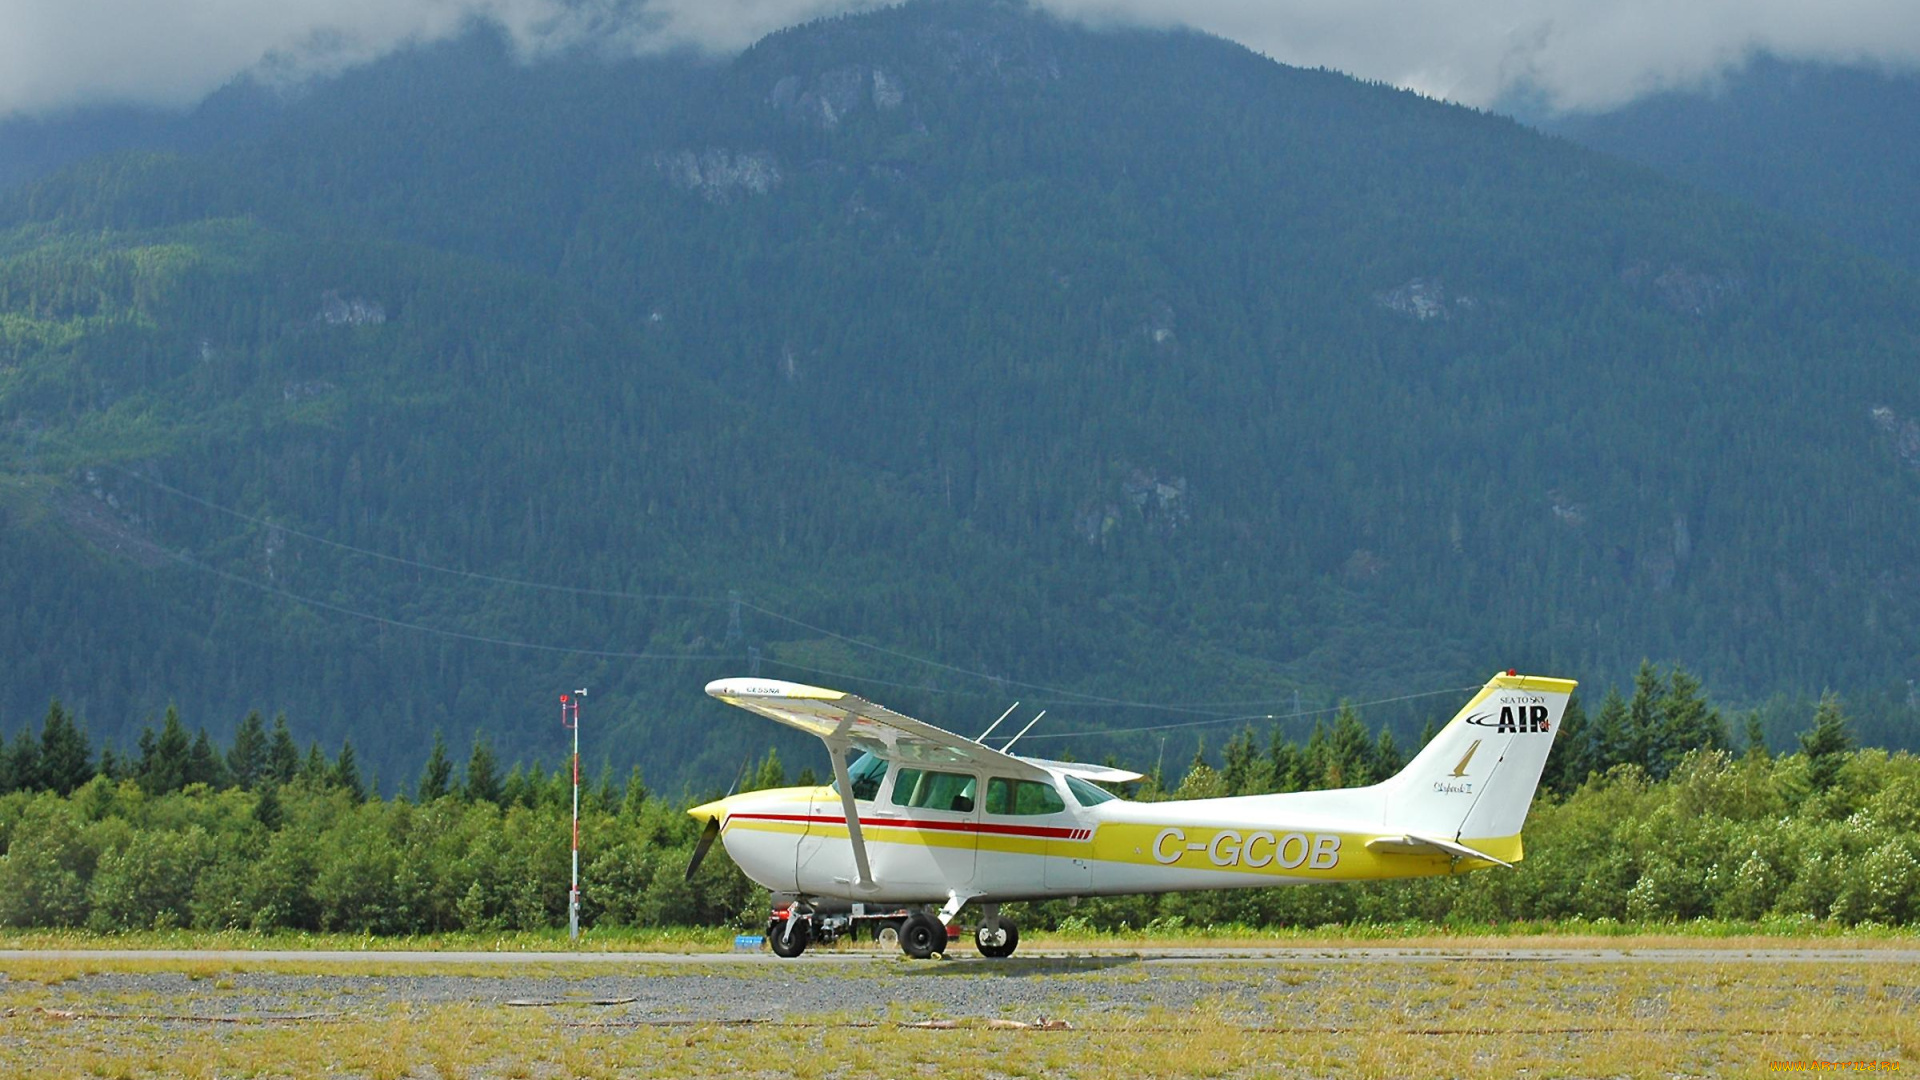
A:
[1476,779]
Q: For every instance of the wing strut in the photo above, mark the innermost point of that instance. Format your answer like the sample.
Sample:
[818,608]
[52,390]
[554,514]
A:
[838,752]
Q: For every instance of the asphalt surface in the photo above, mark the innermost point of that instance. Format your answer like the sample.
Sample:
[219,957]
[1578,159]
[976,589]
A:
[1807,954]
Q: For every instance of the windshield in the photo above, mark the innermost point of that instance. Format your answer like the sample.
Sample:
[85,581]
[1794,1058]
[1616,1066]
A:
[866,772]
[1087,794]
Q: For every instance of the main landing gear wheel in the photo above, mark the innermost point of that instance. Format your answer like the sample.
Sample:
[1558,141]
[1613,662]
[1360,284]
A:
[922,935]
[788,937]
[997,944]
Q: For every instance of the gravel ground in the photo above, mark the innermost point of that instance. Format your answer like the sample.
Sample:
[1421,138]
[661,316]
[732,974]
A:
[1025,990]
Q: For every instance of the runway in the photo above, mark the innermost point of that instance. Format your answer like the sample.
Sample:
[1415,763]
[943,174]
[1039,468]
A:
[1167,956]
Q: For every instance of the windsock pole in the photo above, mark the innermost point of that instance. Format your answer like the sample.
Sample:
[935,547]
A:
[570,719]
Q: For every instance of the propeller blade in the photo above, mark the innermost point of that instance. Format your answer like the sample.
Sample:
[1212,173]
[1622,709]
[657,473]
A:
[706,842]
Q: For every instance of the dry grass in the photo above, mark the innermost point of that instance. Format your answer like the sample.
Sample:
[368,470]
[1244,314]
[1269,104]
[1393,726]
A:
[1453,1017]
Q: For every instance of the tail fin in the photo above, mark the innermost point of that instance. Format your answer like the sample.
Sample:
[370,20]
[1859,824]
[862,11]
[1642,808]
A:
[1475,780]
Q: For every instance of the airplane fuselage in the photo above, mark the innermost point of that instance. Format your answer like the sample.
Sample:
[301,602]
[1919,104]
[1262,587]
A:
[796,841]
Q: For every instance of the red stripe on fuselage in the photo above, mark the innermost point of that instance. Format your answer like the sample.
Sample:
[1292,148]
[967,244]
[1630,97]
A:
[1041,831]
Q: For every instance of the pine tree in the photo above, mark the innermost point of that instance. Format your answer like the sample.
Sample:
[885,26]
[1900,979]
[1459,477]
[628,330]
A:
[1572,755]
[438,775]
[603,797]
[1686,724]
[1349,751]
[1756,733]
[1284,762]
[112,766]
[163,760]
[1613,742]
[516,789]
[203,763]
[1387,759]
[1828,744]
[247,760]
[1644,715]
[634,799]
[345,773]
[1237,762]
[770,774]
[315,770]
[1427,733]
[1314,759]
[23,763]
[483,780]
[66,761]
[806,778]
[283,754]
[267,809]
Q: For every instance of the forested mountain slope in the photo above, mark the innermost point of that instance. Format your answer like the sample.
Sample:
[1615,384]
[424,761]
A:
[1127,366]
[1835,148]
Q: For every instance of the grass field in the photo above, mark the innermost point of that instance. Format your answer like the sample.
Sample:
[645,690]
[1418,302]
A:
[1704,933]
[1105,1016]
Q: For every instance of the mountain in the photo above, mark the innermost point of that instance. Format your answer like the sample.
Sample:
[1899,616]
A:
[949,354]
[1836,148]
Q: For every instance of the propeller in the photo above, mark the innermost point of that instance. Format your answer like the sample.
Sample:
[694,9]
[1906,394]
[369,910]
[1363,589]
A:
[706,842]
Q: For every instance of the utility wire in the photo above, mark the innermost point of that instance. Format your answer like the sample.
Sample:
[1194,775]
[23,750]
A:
[1077,697]
[1357,705]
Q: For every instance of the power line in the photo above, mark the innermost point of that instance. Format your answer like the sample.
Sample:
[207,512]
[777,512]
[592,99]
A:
[403,624]
[1257,716]
[733,600]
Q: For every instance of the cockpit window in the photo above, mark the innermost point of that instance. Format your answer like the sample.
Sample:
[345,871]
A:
[934,790]
[1087,794]
[866,772]
[1022,797]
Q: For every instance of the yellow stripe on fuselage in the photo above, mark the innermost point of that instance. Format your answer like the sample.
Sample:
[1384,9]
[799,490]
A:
[1300,853]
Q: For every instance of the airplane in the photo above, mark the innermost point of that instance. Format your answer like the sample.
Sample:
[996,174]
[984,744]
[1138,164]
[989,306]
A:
[923,822]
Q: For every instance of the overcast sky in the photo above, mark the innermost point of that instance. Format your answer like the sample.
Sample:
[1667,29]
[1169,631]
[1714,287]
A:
[1578,54]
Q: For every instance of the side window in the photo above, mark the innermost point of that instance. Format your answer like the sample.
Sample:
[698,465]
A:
[1022,797]
[1032,797]
[931,790]
[999,795]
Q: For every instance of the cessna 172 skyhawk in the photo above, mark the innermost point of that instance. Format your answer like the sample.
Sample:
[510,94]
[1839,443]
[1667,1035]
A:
[924,819]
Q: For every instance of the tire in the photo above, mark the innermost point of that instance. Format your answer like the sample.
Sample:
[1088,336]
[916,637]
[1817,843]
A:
[922,935]
[788,937]
[1010,940]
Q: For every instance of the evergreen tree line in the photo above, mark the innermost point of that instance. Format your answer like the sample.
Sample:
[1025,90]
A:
[280,839]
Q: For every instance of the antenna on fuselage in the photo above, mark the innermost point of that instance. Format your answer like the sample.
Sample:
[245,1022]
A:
[983,735]
[1009,746]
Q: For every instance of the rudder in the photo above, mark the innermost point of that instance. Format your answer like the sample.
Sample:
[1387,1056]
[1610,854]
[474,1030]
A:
[1476,779]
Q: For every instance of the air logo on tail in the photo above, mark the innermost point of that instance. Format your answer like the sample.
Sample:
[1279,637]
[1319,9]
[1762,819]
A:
[1514,719]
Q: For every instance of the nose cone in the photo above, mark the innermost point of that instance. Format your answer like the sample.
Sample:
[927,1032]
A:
[713,811]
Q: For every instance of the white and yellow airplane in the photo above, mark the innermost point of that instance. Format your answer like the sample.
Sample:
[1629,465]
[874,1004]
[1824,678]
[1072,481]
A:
[924,822]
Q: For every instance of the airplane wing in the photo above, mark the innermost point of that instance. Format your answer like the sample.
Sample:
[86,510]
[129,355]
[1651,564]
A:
[1099,774]
[843,720]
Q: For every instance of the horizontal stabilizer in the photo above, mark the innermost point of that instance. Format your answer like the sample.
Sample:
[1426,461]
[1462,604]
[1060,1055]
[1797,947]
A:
[1428,845]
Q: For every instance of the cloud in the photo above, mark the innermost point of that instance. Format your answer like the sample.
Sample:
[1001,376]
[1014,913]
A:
[1574,54]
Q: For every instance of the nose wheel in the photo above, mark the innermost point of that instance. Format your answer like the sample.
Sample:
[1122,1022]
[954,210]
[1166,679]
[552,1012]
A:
[996,943]
[788,936]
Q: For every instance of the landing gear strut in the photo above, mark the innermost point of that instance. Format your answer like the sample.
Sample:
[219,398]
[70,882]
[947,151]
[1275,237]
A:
[995,937]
